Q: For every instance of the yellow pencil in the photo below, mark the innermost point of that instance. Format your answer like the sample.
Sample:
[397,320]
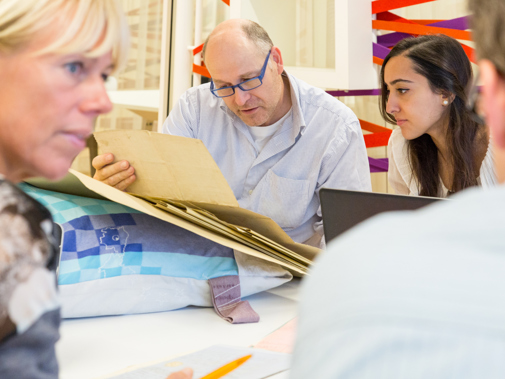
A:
[229,367]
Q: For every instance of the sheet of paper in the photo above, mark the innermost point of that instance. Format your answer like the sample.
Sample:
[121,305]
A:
[281,340]
[231,231]
[261,365]
[167,166]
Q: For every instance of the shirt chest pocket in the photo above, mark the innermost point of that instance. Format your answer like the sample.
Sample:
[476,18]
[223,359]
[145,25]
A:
[284,200]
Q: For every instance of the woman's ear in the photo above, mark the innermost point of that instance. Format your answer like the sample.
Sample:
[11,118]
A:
[447,98]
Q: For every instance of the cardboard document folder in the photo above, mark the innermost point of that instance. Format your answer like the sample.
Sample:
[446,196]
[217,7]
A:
[179,182]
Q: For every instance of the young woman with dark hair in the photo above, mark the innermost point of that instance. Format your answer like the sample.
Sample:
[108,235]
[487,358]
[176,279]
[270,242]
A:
[438,149]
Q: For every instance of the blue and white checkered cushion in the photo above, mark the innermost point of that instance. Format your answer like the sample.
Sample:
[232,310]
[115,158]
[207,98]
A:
[116,260]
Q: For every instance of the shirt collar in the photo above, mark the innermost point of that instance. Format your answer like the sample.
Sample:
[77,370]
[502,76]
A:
[298,120]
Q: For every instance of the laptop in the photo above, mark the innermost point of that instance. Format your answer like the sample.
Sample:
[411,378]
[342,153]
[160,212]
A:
[343,209]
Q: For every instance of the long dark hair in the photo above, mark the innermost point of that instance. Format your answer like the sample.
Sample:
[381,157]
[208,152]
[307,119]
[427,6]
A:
[442,61]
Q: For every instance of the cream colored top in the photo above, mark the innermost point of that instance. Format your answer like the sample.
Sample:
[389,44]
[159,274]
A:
[400,175]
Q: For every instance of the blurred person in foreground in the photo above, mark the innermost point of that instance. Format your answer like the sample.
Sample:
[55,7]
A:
[55,56]
[430,302]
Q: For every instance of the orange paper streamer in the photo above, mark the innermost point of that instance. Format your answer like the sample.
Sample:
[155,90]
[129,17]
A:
[426,22]
[470,52]
[420,29]
[201,70]
[378,61]
[377,139]
[373,128]
[387,5]
[198,49]
[388,16]
[380,134]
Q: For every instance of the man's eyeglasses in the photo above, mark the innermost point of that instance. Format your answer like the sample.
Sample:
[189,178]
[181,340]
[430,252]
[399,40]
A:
[246,85]
[472,103]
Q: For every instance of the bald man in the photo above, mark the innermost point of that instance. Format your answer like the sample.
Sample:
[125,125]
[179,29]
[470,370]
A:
[276,139]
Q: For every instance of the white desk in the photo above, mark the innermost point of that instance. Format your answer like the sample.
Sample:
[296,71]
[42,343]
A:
[94,347]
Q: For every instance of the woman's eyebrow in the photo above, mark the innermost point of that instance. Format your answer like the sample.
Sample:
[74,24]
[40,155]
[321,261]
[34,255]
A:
[400,81]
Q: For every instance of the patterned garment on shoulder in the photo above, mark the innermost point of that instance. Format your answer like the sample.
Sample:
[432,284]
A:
[28,259]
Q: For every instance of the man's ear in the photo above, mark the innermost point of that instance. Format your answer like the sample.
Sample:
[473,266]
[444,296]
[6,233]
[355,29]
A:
[493,101]
[277,58]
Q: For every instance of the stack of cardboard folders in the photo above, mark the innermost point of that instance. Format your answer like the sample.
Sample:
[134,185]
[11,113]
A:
[179,182]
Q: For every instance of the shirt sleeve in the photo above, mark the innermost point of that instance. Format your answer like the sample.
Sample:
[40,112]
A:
[395,179]
[183,119]
[345,165]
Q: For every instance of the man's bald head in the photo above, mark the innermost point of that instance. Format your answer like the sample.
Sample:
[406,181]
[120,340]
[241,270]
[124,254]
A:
[238,51]
[235,30]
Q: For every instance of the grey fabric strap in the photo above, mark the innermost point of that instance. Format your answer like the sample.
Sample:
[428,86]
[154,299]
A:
[225,293]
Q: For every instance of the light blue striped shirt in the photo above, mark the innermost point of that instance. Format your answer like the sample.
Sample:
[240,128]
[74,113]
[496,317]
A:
[321,145]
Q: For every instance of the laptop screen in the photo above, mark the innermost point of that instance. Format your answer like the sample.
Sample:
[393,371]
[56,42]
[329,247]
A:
[343,209]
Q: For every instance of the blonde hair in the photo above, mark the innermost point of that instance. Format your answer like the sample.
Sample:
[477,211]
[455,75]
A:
[89,27]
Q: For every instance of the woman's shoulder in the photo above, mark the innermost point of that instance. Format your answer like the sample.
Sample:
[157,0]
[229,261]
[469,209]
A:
[27,259]
[14,201]
[25,223]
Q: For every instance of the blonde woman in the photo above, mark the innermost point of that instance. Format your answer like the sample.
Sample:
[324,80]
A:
[54,58]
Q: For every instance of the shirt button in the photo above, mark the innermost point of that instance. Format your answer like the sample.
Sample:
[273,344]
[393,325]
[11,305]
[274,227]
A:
[250,192]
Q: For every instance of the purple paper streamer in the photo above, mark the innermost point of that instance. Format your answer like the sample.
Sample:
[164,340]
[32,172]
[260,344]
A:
[378,164]
[391,39]
[380,51]
[358,92]
[460,23]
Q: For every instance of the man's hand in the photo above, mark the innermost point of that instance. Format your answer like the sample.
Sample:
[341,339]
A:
[187,373]
[118,175]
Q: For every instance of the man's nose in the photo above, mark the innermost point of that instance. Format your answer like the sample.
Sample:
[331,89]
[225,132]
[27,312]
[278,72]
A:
[241,97]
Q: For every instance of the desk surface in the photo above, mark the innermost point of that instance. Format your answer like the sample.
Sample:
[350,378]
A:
[95,347]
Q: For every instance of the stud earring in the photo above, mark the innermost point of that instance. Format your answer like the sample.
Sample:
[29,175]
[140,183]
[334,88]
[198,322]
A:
[446,102]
